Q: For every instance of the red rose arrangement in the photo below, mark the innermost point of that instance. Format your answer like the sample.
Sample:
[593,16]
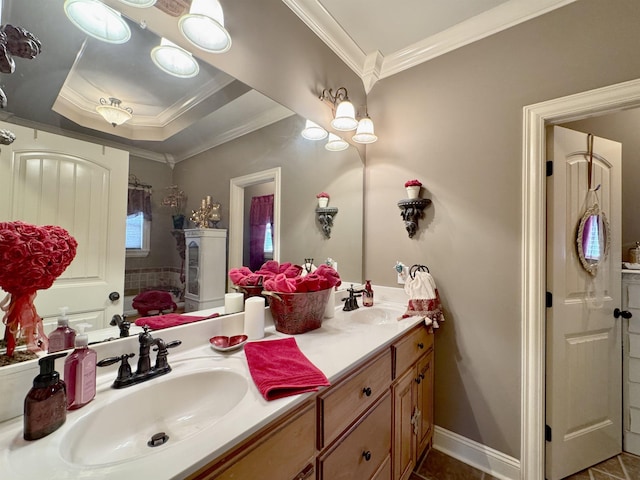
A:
[322,195]
[413,183]
[32,257]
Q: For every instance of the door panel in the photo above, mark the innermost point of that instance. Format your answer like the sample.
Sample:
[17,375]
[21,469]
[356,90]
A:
[52,180]
[584,392]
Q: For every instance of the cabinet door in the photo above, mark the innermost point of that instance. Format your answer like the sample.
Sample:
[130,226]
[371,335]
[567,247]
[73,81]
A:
[286,453]
[424,402]
[404,446]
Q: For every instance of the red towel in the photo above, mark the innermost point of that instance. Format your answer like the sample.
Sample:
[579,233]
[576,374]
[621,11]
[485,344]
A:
[280,369]
[169,320]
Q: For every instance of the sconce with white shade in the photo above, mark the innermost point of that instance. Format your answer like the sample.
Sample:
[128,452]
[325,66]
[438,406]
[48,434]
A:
[313,131]
[203,26]
[139,3]
[364,132]
[344,117]
[98,20]
[113,112]
[174,60]
[335,143]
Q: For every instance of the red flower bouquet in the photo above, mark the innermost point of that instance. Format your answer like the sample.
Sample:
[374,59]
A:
[413,183]
[322,195]
[32,257]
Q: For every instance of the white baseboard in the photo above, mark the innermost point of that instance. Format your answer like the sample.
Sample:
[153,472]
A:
[477,455]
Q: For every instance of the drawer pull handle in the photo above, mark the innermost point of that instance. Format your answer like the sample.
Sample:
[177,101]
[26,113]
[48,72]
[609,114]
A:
[418,380]
[367,455]
[367,391]
[306,473]
[421,345]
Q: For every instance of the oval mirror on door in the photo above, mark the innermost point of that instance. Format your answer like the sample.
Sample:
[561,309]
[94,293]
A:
[593,239]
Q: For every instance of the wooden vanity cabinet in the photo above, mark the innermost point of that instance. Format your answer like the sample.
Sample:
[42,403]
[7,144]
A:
[354,423]
[373,423]
[412,399]
[283,451]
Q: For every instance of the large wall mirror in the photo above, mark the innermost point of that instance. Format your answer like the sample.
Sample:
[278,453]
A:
[197,133]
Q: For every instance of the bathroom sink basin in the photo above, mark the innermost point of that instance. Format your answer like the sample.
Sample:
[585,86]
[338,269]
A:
[377,315]
[149,418]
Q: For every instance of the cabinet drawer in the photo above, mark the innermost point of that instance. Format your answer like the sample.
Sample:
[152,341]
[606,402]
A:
[408,350]
[384,472]
[364,449]
[341,405]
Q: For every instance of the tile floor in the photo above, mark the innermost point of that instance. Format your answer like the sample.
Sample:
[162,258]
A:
[438,466]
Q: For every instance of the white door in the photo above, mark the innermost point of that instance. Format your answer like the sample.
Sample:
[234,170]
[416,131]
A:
[47,179]
[583,368]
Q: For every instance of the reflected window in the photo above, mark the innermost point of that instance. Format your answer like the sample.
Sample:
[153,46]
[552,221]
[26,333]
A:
[591,239]
[137,235]
[268,242]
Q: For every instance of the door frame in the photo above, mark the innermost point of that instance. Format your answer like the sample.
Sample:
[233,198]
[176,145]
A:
[236,212]
[536,117]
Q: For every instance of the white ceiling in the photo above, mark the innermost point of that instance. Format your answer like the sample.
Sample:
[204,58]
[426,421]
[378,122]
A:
[378,38]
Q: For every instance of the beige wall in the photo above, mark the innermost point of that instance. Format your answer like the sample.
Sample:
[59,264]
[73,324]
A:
[307,169]
[163,246]
[456,123]
[623,127]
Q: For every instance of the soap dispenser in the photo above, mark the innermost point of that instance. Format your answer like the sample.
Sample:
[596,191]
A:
[45,406]
[62,338]
[80,371]
[367,295]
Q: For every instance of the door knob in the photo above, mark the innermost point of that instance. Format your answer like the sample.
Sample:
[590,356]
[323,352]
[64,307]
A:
[617,313]
[113,296]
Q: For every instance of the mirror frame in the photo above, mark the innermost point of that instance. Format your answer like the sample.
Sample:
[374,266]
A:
[589,266]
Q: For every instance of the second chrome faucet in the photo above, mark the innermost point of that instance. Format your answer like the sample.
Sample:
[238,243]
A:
[144,371]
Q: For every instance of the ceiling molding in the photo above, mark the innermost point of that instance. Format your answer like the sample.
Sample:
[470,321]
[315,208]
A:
[257,122]
[374,66]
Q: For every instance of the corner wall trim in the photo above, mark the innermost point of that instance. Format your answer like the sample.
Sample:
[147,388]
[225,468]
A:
[477,455]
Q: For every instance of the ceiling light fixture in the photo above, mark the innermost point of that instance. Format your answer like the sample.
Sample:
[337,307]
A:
[98,20]
[113,112]
[335,143]
[204,26]
[139,3]
[174,60]
[313,131]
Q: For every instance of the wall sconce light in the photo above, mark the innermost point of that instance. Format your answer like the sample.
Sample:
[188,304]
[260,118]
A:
[203,26]
[174,60]
[313,131]
[98,20]
[112,112]
[344,117]
[335,143]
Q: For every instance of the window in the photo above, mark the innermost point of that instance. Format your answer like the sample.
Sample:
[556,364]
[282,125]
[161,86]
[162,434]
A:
[268,242]
[137,236]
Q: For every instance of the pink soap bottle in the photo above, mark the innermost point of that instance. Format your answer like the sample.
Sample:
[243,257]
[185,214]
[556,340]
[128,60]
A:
[80,372]
[367,295]
[63,337]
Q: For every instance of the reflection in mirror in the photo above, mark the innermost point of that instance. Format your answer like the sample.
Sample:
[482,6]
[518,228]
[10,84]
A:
[593,239]
[197,133]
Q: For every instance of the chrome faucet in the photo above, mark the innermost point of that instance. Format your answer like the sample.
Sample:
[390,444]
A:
[144,371]
[351,302]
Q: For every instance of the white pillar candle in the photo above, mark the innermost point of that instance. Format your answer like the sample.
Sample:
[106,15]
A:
[254,318]
[330,309]
[233,302]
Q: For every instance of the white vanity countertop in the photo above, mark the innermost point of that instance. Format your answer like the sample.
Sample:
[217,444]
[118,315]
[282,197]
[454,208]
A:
[338,345]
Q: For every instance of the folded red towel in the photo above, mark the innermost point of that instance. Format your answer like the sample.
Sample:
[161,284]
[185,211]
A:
[169,320]
[280,369]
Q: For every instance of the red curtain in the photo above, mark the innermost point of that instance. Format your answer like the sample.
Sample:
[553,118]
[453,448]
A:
[260,214]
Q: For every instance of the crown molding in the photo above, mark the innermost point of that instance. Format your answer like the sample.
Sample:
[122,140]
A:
[374,66]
